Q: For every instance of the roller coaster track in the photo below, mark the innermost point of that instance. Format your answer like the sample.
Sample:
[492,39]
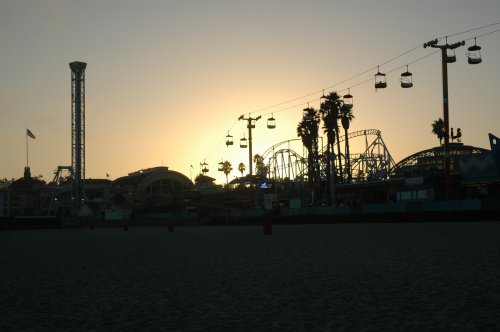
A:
[374,162]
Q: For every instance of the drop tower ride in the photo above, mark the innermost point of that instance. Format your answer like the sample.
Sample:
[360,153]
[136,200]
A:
[78,132]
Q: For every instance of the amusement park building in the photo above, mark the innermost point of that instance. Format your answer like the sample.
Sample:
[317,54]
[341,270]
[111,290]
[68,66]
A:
[155,188]
[474,172]
[420,176]
[376,178]
[22,197]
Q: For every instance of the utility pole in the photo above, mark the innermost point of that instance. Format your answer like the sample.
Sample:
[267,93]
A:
[250,126]
[446,151]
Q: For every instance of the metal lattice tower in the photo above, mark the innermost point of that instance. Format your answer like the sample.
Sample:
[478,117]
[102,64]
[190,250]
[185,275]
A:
[78,130]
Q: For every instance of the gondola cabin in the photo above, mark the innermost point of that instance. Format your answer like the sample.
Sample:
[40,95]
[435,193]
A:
[307,117]
[474,54]
[348,100]
[251,123]
[308,114]
[406,79]
[221,167]
[271,122]
[204,167]
[380,82]
[243,143]
[229,140]
[451,57]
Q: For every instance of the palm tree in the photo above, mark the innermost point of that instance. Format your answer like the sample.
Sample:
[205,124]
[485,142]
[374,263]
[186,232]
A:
[260,166]
[329,113]
[307,130]
[226,168]
[304,133]
[346,116]
[4,183]
[438,129]
[241,168]
[330,109]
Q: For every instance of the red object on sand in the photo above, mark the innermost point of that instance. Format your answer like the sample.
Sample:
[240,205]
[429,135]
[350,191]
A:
[267,227]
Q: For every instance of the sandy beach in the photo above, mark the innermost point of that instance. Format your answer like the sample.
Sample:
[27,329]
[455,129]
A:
[342,277]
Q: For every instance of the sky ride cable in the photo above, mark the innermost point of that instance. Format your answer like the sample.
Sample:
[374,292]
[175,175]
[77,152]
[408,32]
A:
[355,76]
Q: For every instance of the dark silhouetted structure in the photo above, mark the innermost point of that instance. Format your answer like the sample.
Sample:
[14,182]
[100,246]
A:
[78,131]
[251,125]
[445,59]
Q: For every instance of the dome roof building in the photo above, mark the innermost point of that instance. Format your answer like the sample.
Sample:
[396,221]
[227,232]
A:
[156,188]
[473,170]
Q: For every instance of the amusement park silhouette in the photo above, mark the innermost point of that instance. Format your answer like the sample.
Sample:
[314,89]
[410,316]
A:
[159,194]
[336,114]
[210,75]
[322,140]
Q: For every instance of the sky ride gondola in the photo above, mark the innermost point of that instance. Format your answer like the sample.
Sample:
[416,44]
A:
[474,54]
[229,139]
[243,142]
[221,166]
[251,123]
[348,99]
[380,82]
[406,79]
[450,52]
[204,167]
[271,122]
[306,114]
[451,57]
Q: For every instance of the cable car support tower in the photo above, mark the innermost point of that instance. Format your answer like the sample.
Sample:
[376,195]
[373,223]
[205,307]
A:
[250,125]
[445,59]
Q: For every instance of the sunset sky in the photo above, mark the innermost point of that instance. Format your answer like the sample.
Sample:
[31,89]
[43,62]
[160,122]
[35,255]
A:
[166,80]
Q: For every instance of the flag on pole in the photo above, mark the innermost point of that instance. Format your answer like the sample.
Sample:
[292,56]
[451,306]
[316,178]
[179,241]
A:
[30,134]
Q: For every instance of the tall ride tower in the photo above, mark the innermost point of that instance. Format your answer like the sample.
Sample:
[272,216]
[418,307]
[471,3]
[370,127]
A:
[78,131]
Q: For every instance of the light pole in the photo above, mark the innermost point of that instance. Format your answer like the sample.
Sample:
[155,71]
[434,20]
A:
[446,151]
[250,126]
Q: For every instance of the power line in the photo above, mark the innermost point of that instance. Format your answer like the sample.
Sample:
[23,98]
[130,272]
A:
[484,34]
[397,57]
[220,141]
[412,62]
[470,30]
[373,68]
[355,85]
[285,102]
[356,76]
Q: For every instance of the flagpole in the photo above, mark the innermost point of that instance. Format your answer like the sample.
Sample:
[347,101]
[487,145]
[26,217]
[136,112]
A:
[27,160]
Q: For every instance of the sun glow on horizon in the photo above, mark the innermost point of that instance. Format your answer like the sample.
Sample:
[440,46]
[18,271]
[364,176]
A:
[160,94]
